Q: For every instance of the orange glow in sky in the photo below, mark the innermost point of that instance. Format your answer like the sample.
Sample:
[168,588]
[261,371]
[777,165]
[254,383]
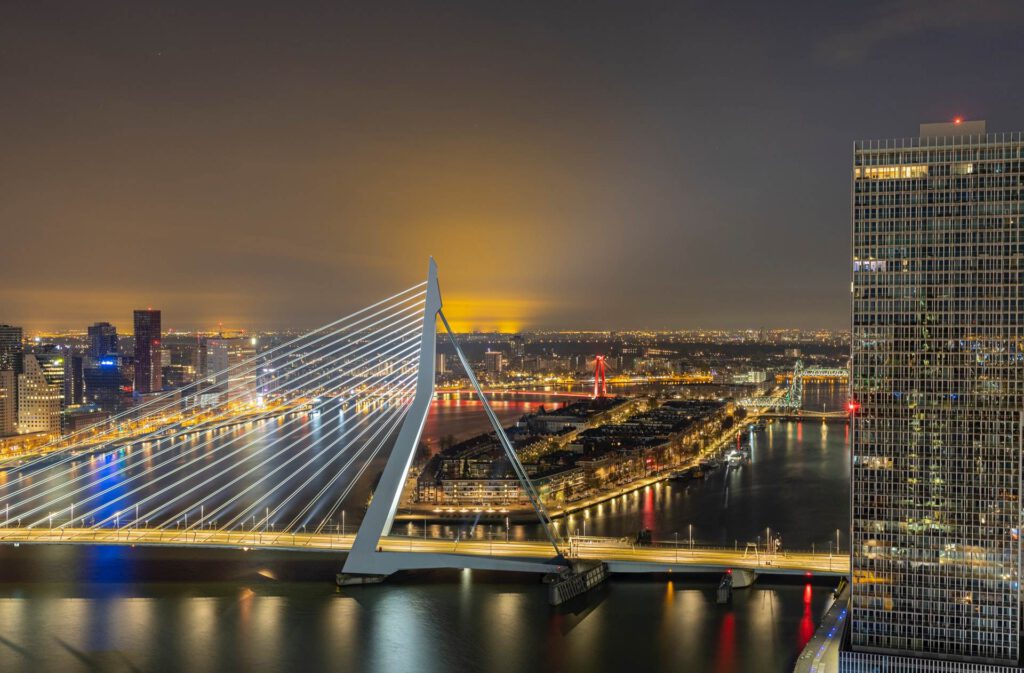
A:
[489,314]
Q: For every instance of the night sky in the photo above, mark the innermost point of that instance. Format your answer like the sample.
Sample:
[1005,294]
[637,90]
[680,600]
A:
[569,164]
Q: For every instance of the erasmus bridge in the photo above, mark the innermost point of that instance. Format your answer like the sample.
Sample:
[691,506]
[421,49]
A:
[264,454]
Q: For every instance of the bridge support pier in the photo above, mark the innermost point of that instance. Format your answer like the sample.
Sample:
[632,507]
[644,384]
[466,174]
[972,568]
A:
[576,580]
[352,579]
[742,578]
[734,579]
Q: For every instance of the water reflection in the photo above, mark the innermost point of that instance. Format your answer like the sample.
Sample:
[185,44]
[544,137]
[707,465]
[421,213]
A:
[238,619]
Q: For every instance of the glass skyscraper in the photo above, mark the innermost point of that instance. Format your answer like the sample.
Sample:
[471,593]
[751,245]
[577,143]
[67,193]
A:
[148,371]
[938,374]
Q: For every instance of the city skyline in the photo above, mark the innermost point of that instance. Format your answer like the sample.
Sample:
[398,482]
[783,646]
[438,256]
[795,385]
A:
[478,335]
[280,167]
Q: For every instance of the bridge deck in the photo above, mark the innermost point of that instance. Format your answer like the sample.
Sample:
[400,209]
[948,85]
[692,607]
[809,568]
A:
[450,553]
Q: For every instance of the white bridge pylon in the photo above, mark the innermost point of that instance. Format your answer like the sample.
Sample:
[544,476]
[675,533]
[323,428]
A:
[366,556]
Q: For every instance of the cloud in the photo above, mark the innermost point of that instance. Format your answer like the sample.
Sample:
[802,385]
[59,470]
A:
[907,18]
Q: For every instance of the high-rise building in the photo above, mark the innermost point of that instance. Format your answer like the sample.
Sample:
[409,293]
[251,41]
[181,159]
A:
[102,339]
[517,346]
[493,362]
[10,347]
[442,364]
[8,405]
[52,361]
[938,387]
[39,399]
[224,367]
[74,383]
[108,382]
[148,371]
[179,361]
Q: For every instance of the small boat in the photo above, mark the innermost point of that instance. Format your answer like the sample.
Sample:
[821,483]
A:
[682,475]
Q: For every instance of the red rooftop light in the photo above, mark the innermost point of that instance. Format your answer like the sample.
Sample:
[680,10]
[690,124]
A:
[958,120]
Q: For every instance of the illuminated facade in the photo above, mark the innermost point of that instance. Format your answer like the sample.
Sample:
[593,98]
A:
[224,367]
[10,347]
[493,362]
[107,382]
[39,399]
[148,372]
[8,406]
[938,372]
[102,340]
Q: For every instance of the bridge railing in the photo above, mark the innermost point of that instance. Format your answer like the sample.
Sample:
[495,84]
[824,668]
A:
[298,539]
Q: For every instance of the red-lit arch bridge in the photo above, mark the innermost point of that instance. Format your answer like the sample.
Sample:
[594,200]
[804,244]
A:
[265,453]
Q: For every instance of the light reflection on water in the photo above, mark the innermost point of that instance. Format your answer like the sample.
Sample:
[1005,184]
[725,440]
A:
[215,612]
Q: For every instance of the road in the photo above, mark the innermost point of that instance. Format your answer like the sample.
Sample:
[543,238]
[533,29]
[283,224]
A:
[644,559]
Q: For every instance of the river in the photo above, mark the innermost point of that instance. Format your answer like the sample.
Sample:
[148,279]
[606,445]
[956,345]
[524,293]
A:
[134,609]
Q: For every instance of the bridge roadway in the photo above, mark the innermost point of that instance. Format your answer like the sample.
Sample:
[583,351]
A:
[434,552]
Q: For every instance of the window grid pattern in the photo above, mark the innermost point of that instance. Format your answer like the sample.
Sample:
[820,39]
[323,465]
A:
[938,371]
[861,662]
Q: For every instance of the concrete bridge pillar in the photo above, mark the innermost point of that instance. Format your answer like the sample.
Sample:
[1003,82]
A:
[742,578]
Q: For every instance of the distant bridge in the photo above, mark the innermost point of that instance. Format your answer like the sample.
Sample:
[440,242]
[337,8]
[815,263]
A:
[792,398]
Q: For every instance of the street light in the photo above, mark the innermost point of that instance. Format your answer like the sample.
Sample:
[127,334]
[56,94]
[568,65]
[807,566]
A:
[691,538]
[837,540]
[676,534]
